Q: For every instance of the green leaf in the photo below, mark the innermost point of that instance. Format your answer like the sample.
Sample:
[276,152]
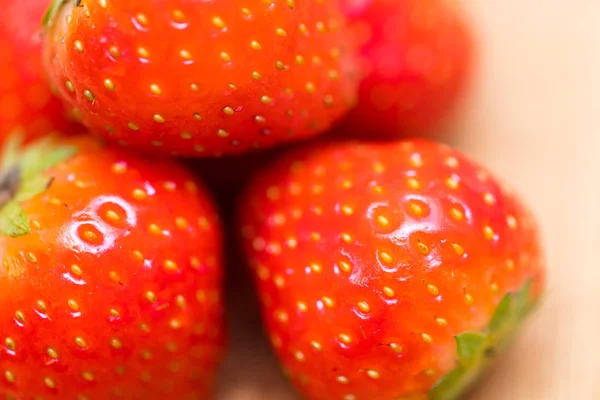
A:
[32,187]
[41,155]
[523,303]
[470,347]
[10,150]
[51,12]
[450,386]
[23,176]
[503,317]
[13,221]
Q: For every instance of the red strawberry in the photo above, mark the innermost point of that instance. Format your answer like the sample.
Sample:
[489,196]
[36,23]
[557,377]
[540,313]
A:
[110,277]
[417,57]
[25,99]
[200,78]
[371,259]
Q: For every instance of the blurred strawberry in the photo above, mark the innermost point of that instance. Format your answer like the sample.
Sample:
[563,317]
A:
[198,78]
[388,271]
[417,58]
[110,282]
[26,102]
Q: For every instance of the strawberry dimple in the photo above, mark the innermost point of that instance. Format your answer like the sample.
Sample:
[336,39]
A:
[208,79]
[370,259]
[113,293]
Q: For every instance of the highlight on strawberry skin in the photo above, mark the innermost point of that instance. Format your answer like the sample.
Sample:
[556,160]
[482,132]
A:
[389,270]
[104,290]
[225,199]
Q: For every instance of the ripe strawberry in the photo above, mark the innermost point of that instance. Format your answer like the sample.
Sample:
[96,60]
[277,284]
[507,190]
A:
[110,277]
[372,259]
[201,78]
[25,99]
[417,57]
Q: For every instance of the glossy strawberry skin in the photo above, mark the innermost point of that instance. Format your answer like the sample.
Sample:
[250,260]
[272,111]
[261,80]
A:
[370,259]
[26,101]
[198,78]
[417,60]
[117,290]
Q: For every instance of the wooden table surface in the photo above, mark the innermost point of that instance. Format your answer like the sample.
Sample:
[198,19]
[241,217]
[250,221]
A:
[533,118]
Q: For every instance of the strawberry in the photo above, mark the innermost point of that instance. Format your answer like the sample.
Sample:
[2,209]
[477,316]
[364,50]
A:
[26,102]
[390,270]
[198,78]
[110,276]
[417,58]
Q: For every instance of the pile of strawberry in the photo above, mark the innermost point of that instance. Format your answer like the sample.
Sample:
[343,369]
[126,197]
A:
[386,267]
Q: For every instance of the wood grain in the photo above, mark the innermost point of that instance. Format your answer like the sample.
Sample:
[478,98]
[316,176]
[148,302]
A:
[533,117]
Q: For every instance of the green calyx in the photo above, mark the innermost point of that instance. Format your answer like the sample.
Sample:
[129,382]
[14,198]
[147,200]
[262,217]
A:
[23,177]
[53,9]
[476,349]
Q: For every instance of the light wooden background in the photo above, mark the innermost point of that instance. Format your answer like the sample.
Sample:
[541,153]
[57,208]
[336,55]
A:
[534,118]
